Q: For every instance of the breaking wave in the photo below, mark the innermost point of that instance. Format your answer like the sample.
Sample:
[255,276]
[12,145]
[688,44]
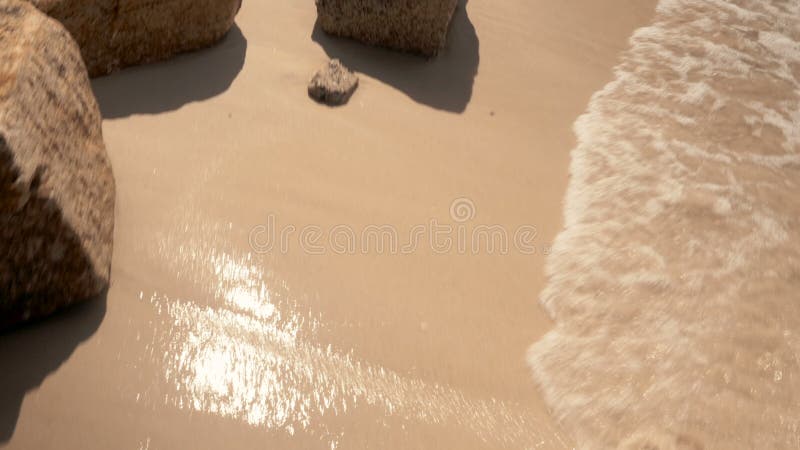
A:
[675,284]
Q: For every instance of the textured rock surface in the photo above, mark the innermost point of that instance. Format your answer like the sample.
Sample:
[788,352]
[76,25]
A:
[117,33]
[418,26]
[56,184]
[333,84]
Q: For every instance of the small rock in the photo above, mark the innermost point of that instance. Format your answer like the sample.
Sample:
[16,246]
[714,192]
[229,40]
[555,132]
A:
[333,84]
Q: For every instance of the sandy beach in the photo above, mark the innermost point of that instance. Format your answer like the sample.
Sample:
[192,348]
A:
[209,339]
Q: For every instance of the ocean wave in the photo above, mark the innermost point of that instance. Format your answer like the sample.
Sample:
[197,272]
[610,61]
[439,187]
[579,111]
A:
[674,283]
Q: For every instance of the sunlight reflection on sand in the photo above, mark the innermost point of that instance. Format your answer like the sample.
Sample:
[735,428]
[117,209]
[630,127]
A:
[247,359]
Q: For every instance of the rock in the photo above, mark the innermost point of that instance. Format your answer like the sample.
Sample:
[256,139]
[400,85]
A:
[418,26]
[333,84]
[113,34]
[56,184]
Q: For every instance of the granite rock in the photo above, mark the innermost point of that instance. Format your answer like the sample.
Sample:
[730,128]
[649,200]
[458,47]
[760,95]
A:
[418,26]
[333,84]
[56,184]
[114,34]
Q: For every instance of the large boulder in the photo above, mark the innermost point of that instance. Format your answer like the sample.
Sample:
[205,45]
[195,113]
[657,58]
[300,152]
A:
[56,184]
[113,34]
[418,26]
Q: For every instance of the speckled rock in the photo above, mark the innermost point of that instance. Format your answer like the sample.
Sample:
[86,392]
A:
[418,26]
[113,34]
[333,84]
[56,184]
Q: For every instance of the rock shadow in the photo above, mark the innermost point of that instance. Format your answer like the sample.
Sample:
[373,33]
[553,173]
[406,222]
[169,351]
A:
[168,85]
[29,353]
[444,82]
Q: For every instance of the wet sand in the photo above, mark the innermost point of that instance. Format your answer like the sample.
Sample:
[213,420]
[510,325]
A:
[207,341]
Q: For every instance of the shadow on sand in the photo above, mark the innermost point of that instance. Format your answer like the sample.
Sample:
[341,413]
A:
[168,85]
[444,82]
[28,354]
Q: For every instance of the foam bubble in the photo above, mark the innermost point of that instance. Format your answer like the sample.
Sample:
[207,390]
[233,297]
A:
[679,265]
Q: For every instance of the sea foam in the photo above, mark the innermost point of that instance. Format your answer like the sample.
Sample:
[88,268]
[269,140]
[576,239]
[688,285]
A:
[675,283]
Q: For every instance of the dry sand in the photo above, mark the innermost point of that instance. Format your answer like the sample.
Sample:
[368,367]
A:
[205,343]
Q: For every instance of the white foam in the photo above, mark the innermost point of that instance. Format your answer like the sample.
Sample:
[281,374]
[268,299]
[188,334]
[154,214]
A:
[676,276]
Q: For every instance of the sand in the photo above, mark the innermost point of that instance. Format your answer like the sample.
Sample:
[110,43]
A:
[208,341]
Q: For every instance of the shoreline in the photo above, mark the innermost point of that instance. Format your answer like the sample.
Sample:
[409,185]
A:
[673,281]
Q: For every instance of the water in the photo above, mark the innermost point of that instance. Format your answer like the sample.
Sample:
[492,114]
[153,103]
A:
[675,281]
